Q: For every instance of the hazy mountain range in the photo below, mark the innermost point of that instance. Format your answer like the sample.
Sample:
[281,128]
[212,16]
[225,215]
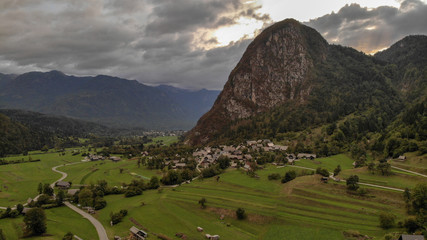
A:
[106,100]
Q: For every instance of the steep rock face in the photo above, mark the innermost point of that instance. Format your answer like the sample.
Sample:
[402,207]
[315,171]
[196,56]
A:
[274,69]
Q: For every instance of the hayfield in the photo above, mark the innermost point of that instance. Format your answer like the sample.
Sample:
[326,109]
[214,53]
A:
[304,208]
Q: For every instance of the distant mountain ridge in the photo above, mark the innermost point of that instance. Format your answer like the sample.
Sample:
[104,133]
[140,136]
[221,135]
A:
[104,99]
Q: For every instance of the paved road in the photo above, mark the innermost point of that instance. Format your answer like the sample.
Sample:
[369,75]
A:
[102,234]
[416,173]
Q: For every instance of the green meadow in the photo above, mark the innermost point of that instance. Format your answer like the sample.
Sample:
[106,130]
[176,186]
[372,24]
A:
[59,221]
[18,182]
[304,208]
[91,172]
[165,140]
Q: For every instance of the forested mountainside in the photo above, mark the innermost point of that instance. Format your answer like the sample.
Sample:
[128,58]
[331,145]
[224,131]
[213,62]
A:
[22,131]
[104,99]
[292,85]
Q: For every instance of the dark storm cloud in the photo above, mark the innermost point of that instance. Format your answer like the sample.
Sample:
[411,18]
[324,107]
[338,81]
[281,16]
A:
[151,41]
[372,29]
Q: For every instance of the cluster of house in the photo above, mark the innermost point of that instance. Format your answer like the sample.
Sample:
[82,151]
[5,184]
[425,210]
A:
[241,154]
[94,157]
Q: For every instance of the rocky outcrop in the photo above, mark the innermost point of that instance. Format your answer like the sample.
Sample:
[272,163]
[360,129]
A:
[276,68]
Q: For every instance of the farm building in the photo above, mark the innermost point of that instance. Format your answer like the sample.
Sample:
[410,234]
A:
[411,237]
[62,185]
[115,159]
[139,234]
[73,191]
[306,156]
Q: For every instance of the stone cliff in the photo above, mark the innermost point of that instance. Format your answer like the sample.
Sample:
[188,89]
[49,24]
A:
[276,68]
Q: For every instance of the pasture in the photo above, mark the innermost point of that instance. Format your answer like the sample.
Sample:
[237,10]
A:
[59,221]
[274,210]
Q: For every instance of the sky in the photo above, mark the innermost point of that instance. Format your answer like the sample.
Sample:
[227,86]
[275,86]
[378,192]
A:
[191,44]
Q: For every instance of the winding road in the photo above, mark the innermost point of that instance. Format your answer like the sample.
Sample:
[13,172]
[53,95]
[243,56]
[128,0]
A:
[102,234]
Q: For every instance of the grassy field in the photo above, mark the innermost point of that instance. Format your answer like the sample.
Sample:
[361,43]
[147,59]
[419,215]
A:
[91,172]
[275,210]
[329,163]
[413,162]
[166,140]
[18,182]
[304,208]
[59,222]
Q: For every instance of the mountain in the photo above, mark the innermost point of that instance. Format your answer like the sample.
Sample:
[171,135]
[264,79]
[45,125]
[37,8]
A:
[104,99]
[290,82]
[60,126]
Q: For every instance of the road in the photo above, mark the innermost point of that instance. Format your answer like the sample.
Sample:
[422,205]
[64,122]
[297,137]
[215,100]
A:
[102,234]
[404,170]
[360,183]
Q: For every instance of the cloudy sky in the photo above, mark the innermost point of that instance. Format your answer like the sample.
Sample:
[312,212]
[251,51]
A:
[185,43]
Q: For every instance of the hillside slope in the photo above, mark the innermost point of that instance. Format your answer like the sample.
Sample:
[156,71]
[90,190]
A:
[108,100]
[289,79]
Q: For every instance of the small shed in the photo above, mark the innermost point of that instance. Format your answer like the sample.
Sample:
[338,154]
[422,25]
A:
[72,192]
[63,185]
[115,159]
[411,237]
[402,157]
[139,234]
[25,210]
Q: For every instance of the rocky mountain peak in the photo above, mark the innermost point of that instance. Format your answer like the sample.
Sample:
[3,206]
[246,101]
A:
[274,69]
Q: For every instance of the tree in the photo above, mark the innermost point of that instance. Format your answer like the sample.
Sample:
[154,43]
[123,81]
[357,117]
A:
[202,203]
[40,188]
[154,183]
[411,225]
[384,168]
[47,189]
[2,236]
[337,170]
[352,182]
[371,167]
[85,197]
[19,208]
[223,162]
[289,176]
[35,221]
[419,197]
[240,213]
[322,171]
[387,220]
[60,197]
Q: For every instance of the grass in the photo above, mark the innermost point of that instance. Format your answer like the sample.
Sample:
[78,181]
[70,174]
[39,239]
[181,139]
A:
[413,162]
[59,222]
[304,208]
[329,163]
[91,172]
[18,182]
[165,140]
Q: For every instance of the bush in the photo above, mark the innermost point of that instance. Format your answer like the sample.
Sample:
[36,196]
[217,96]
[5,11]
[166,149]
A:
[352,182]
[274,176]
[117,217]
[322,171]
[289,176]
[387,220]
[240,213]
[68,236]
